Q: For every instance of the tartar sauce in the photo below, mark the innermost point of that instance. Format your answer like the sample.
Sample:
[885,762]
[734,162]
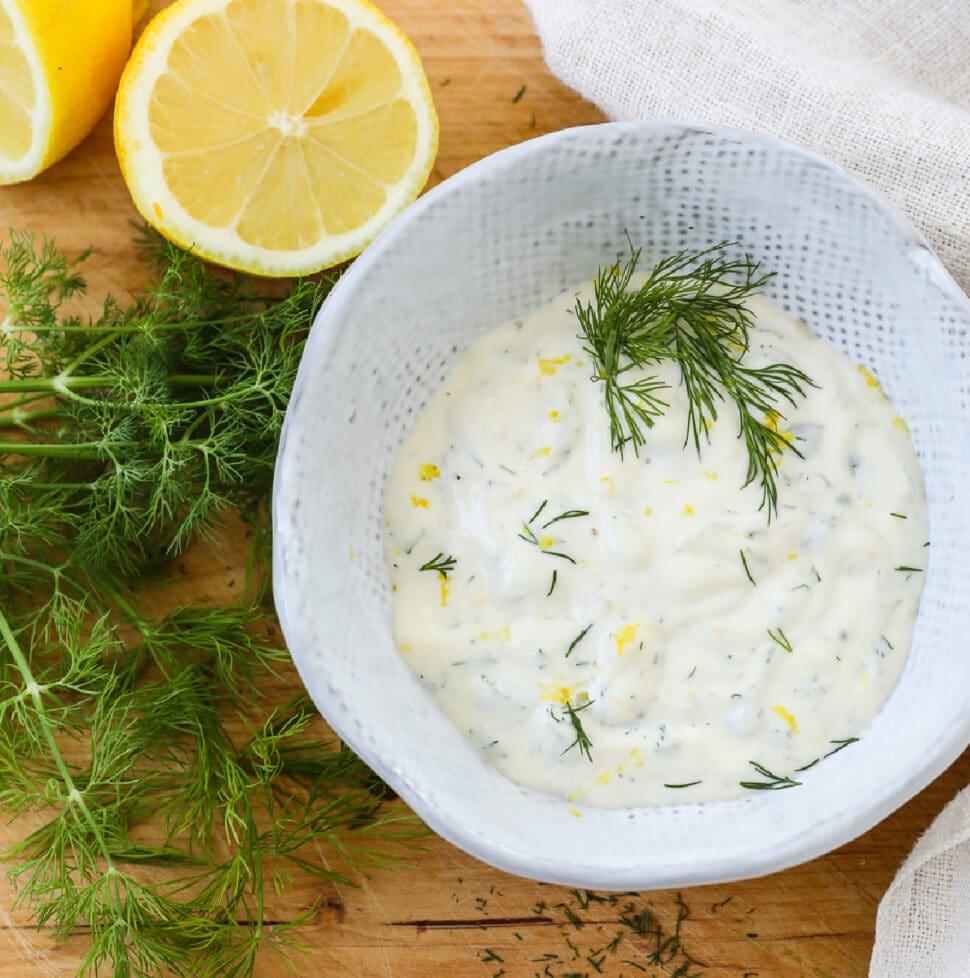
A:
[647,601]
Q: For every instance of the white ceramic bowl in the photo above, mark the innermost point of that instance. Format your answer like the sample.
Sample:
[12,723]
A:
[497,240]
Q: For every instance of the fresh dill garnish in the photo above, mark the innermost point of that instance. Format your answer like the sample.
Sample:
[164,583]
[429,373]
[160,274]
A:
[518,95]
[578,639]
[686,784]
[747,572]
[772,782]
[781,639]
[909,570]
[691,311]
[552,583]
[899,516]
[126,437]
[440,563]
[582,741]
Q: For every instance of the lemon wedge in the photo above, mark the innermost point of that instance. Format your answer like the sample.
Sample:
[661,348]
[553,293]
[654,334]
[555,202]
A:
[59,65]
[274,136]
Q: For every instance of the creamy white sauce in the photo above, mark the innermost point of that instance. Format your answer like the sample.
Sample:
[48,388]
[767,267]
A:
[686,670]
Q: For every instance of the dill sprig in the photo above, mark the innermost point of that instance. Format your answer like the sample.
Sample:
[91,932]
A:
[440,563]
[581,740]
[690,310]
[123,438]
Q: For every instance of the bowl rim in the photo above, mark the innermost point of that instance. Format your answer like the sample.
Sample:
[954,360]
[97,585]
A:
[800,846]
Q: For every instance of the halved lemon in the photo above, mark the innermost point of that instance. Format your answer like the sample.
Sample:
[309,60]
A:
[59,65]
[274,136]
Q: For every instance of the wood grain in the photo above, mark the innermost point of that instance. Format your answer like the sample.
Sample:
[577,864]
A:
[449,914]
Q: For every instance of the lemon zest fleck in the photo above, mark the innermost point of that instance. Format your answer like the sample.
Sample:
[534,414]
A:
[547,365]
[554,693]
[445,589]
[870,379]
[688,510]
[542,452]
[647,511]
[900,424]
[575,812]
[405,647]
[497,635]
[786,716]
[624,637]
[604,778]
[792,556]
[609,482]
[418,503]
[428,472]
[554,416]
[710,476]
[546,542]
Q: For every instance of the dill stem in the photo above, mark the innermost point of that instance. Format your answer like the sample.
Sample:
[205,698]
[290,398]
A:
[84,451]
[64,384]
[19,419]
[75,797]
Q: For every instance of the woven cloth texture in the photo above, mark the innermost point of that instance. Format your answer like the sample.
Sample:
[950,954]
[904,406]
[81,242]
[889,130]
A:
[880,86]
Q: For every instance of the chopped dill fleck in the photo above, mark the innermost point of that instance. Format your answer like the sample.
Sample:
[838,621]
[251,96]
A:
[518,95]
[490,955]
[772,782]
[569,514]
[686,784]
[552,586]
[909,570]
[747,572]
[542,506]
[578,639]
[782,639]
[842,744]
[899,516]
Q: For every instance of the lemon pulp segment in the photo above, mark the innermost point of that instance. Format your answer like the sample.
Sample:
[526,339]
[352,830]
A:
[17,94]
[277,126]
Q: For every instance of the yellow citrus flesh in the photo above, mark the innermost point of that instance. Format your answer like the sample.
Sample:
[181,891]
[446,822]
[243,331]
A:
[59,65]
[274,136]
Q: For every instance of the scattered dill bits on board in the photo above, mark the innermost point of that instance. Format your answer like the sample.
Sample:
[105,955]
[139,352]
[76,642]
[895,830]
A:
[581,932]
[122,439]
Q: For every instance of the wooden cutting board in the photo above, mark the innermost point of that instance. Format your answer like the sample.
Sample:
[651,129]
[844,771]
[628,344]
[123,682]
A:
[449,915]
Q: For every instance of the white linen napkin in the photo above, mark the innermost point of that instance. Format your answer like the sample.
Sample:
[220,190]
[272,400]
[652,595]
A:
[882,87]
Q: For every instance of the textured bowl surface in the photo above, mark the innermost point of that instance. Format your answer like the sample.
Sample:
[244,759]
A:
[498,240]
